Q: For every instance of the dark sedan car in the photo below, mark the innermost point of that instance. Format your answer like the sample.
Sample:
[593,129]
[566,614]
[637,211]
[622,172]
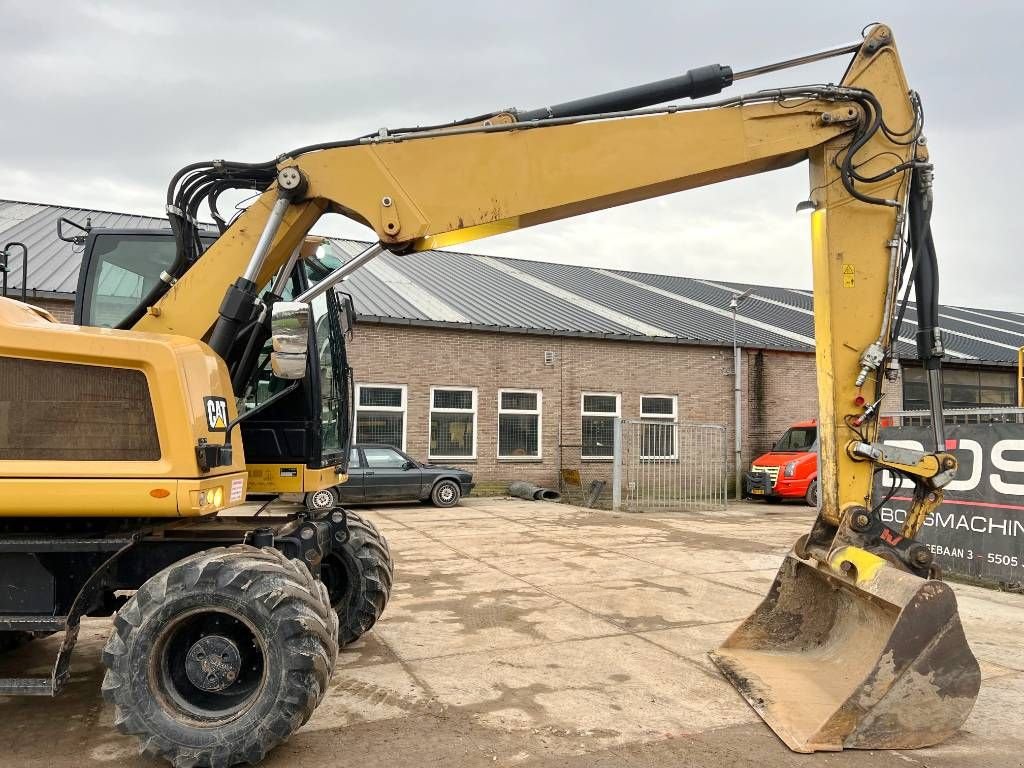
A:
[382,473]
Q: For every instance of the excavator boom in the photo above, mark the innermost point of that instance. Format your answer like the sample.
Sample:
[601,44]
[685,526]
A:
[858,644]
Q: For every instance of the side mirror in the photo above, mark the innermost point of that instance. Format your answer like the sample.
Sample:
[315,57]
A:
[346,313]
[409,465]
[289,336]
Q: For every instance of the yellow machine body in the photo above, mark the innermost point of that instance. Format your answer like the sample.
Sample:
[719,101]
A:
[291,478]
[95,455]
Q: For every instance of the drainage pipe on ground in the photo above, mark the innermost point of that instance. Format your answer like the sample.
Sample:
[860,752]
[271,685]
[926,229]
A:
[531,492]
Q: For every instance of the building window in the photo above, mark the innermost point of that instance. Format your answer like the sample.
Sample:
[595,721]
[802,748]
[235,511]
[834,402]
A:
[599,411]
[962,388]
[452,423]
[519,424]
[658,430]
[380,414]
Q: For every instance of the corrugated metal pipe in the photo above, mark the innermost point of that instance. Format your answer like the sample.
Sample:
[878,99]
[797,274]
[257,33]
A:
[531,492]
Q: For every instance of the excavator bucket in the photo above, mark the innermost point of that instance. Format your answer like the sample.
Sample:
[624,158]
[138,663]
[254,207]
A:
[877,661]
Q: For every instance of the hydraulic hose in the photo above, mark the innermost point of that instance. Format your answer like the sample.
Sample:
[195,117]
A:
[926,289]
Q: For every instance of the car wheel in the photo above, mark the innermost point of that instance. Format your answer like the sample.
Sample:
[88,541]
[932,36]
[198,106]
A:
[812,494]
[446,493]
[322,500]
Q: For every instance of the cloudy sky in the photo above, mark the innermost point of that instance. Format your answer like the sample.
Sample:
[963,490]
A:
[102,102]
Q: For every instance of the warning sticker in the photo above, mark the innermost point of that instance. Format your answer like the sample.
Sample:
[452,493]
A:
[216,413]
[848,275]
[237,486]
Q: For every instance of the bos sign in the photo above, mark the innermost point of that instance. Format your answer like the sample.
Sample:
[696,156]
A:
[978,530]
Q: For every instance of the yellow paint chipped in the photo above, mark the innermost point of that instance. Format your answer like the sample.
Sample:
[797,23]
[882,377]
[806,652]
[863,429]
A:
[867,564]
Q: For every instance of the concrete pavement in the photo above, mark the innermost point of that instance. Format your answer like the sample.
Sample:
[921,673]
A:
[534,634]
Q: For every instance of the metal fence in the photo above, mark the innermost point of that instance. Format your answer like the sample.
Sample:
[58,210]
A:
[956,416]
[663,464]
[585,482]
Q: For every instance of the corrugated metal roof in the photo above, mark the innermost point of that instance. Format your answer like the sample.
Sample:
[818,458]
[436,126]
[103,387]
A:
[52,263]
[472,291]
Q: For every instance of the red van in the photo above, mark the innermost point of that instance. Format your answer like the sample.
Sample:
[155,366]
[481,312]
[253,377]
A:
[789,470]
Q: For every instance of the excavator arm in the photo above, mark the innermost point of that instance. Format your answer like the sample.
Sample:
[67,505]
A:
[856,645]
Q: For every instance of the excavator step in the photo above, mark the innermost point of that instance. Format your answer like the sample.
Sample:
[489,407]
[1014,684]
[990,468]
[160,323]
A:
[28,686]
[30,623]
[61,674]
[35,545]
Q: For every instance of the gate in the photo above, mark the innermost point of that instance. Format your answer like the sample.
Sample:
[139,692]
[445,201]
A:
[660,464]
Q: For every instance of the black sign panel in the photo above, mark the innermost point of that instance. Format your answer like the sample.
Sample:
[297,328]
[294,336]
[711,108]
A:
[216,413]
[978,530]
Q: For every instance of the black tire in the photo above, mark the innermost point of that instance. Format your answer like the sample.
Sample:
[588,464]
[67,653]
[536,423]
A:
[322,500]
[273,614]
[445,493]
[358,575]
[811,497]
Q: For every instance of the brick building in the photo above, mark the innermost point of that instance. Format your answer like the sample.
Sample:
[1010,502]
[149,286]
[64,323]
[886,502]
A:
[511,368]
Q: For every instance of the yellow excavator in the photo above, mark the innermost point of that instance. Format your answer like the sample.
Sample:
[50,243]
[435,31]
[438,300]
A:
[119,453]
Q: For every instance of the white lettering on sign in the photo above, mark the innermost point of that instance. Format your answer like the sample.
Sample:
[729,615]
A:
[963,484]
[1000,462]
[958,522]
[977,457]
[216,413]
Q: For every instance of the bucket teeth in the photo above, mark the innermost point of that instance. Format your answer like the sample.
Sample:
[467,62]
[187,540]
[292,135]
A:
[830,664]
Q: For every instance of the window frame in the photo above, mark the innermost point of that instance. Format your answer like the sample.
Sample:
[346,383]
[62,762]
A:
[672,418]
[538,412]
[431,410]
[381,447]
[915,382]
[403,409]
[599,414]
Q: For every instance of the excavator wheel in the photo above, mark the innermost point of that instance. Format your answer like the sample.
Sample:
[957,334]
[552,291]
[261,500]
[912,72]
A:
[220,657]
[358,575]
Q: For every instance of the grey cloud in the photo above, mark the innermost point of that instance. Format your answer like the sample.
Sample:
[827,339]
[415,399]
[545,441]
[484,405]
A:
[105,100]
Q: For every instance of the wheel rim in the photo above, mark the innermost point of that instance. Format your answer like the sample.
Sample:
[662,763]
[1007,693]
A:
[322,499]
[339,578]
[209,665]
[446,493]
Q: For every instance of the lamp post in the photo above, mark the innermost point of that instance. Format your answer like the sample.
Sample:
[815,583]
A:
[734,303]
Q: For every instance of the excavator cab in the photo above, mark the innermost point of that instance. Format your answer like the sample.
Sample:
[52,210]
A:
[298,445]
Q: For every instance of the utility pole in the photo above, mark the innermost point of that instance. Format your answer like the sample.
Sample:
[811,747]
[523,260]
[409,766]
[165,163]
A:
[734,303]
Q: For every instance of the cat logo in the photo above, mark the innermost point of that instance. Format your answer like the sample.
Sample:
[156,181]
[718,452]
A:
[216,413]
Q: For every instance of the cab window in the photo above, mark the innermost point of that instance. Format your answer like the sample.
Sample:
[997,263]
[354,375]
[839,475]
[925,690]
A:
[123,269]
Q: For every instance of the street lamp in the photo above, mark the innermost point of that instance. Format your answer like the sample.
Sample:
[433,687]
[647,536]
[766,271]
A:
[734,303]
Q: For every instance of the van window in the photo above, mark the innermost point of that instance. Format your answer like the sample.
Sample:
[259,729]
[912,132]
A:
[798,440]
